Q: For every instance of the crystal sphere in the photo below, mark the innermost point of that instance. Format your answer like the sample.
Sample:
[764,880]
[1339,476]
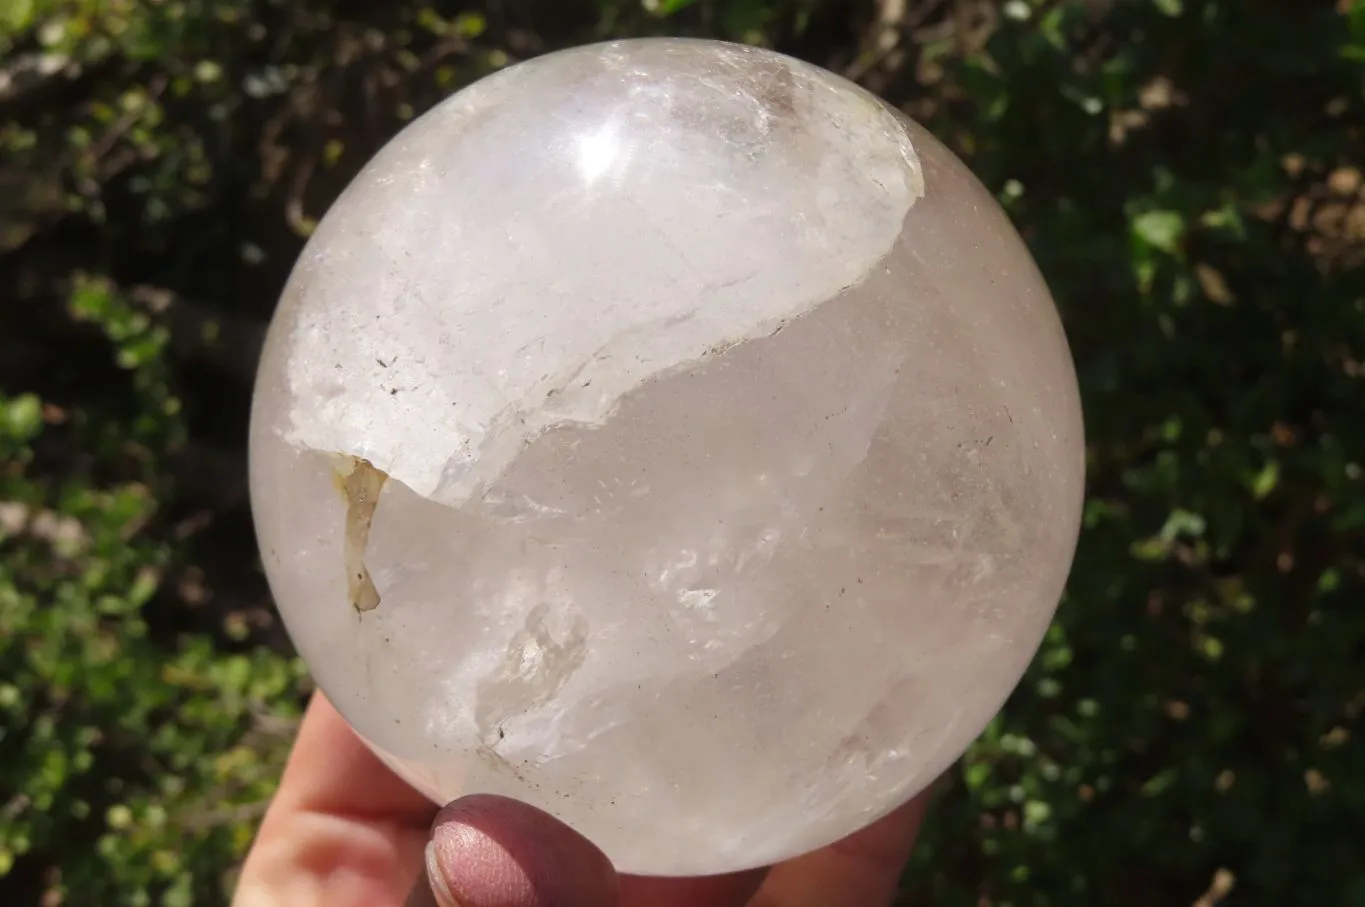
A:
[673,436]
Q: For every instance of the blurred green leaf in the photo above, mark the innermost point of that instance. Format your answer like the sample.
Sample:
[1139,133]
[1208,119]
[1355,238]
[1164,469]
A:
[1160,229]
[667,7]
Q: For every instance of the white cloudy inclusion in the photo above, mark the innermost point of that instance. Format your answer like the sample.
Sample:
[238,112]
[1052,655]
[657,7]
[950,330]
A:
[673,436]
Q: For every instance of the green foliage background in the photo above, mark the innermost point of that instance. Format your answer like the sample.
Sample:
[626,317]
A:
[1187,174]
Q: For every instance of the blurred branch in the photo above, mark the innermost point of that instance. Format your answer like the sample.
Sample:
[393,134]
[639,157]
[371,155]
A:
[1221,886]
[883,42]
[28,76]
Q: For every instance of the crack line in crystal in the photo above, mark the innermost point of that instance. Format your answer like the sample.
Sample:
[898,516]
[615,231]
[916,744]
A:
[360,483]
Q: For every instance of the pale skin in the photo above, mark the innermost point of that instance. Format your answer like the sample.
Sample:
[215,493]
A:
[344,831]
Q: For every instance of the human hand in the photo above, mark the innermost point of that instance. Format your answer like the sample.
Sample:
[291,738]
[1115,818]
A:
[344,831]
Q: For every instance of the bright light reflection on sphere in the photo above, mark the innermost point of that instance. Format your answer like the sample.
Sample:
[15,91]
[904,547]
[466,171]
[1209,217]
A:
[673,436]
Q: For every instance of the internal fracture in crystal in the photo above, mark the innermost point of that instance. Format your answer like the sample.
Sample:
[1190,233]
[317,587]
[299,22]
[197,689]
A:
[674,436]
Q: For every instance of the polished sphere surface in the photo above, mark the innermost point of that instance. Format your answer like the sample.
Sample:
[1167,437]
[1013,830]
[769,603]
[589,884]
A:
[673,436]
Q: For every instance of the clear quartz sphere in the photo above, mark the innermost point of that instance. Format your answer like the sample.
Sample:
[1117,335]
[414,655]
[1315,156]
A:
[673,436]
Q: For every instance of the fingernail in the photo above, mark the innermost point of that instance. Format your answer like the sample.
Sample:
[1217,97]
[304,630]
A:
[437,880]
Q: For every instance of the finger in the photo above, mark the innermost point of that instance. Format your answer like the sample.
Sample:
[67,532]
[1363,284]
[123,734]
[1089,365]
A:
[732,890]
[342,830]
[862,870]
[489,851]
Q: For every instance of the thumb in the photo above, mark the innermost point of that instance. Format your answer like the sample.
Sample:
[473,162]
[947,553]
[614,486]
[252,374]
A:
[488,851]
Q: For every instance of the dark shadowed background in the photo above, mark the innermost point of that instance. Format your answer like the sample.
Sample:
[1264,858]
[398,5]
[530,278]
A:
[1187,173]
